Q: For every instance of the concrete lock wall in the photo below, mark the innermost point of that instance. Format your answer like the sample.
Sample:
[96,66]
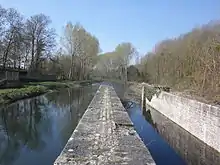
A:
[201,120]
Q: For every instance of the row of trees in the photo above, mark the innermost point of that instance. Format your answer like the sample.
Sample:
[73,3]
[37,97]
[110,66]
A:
[24,42]
[113,65]
[79,51]
[190,61]
[77,55]
[30,44]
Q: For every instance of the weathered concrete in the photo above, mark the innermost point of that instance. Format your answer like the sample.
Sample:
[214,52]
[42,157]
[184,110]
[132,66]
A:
[105,135]
[193,150]
[201,120]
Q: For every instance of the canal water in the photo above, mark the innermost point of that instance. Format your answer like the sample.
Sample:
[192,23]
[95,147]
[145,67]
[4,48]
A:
[168,143]
[34,131]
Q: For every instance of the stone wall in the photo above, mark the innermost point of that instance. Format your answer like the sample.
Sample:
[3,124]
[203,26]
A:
[201,120]
[193,150]
[12,76]
[9,75]
[105,135]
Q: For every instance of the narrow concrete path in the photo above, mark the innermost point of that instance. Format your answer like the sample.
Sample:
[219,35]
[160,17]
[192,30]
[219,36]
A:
[105,135]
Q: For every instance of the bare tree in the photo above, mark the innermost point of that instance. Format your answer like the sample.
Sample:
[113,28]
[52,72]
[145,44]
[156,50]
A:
[40,37]
[190,62]
[114,64]
[11,35]
[82,47]
[125,52]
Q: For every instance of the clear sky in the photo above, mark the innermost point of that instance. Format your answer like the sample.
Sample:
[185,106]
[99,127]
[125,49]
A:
[142,22]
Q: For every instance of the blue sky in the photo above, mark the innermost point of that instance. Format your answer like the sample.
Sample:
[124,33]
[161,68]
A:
[142,22]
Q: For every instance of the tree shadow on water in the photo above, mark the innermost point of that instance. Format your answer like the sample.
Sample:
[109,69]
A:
[19,129]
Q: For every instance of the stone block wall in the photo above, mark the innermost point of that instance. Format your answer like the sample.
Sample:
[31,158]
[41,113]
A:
[193,150]
[201,120]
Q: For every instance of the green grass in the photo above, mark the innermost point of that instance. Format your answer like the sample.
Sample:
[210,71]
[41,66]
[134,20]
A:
[11,95]
[29,90]
[35,89]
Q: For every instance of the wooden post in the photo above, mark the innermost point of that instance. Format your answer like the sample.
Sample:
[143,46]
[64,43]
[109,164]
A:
[143,97]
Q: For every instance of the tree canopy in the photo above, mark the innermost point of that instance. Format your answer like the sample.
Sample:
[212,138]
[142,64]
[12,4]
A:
[190,61]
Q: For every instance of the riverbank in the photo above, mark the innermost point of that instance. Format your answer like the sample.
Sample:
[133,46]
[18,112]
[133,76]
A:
[54,85]
[35,89]
[10,95]
[136,88]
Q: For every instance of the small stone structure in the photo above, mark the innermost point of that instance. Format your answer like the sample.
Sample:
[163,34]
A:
[105,135]
[200,119]
[9,75]
[12,76]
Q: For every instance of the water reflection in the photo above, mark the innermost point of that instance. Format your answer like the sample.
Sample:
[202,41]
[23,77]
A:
[166,140]
[34,131]
[161,151]
[193,150]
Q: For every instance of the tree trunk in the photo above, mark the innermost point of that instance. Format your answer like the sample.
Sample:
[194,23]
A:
[203,82]
[5,57]
[32,51]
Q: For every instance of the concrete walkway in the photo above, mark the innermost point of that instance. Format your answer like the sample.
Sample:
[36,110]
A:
[105,135]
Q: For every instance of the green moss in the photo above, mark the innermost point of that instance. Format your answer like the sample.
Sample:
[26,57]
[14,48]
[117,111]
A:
[34,89]
[11,95]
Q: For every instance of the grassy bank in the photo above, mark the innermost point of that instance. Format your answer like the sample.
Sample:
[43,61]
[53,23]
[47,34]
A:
[62,84]
[11,95]
[30,90]
[34,89]
[53,85]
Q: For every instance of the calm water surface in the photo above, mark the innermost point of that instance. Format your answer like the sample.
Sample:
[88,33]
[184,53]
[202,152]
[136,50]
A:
[34,131]
[168,143]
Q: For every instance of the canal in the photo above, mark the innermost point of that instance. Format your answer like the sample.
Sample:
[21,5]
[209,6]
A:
[167,142]
[34,131]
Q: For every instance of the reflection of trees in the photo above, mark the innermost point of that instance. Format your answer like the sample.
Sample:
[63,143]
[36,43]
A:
[78,100]
[74,98]
[29,124]
[19,122]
